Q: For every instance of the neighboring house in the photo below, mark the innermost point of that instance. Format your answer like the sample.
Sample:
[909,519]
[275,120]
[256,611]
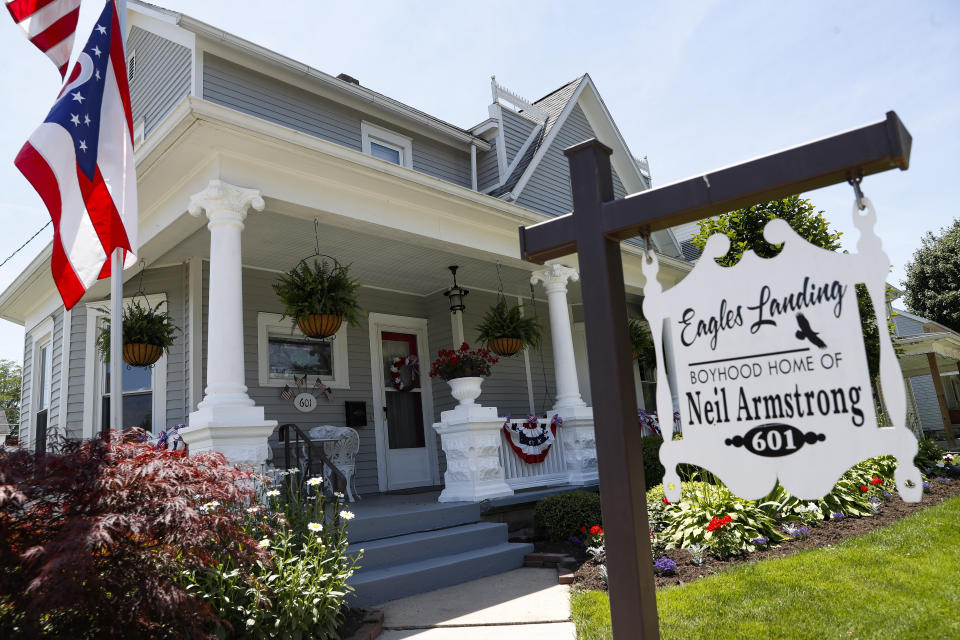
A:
[394,192]
[930,360]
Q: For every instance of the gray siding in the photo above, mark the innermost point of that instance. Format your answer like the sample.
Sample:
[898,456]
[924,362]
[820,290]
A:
[56,368]
[548,190]
[488,170]
[516,130]
[76,392]
[928,407]
[162,77]
[907,326]
[259,95]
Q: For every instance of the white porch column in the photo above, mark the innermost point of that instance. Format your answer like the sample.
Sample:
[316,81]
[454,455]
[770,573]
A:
[227,419]
[554,279]
[577,432]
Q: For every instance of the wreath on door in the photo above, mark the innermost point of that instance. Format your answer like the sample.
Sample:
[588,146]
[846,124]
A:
[397,365]
[531,440]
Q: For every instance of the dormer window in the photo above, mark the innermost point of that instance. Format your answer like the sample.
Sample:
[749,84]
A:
[386,145]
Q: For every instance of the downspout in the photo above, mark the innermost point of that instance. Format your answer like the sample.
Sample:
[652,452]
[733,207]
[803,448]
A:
[473,166]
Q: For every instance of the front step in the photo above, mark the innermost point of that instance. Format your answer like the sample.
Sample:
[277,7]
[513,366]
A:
[436,572]
[413,547]
[389,522]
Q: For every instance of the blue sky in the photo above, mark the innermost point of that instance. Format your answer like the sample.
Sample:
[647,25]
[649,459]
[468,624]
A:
[693,85]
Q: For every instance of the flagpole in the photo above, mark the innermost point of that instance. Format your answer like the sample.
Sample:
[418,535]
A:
[116,294]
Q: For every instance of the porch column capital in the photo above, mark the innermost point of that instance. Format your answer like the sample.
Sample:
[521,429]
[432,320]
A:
[554,278]
[225,203]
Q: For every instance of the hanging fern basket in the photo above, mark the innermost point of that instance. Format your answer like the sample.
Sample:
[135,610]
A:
[319,326]
[137,354]
[506,346]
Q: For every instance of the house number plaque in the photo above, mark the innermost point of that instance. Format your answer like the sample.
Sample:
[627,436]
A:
[767,363]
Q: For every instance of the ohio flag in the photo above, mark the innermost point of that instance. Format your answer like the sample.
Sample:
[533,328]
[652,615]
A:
[80,161]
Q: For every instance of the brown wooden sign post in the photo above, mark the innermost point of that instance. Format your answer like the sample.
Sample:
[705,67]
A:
[594,231]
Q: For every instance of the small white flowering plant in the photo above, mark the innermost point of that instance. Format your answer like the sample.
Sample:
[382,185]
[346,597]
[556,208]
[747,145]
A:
[300,591]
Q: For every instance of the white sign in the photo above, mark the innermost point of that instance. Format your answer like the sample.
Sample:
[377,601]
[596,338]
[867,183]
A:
[767,367]
[305,402]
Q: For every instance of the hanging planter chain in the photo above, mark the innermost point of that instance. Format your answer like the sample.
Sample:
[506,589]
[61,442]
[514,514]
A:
[322,327]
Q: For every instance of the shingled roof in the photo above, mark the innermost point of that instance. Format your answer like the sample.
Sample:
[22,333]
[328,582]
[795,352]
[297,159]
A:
[553,105]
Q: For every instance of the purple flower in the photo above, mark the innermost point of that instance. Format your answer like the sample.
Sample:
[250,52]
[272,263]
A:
[797,533]
[839,516]
[664,565]
[874,500]
[759,541]
[927,486]
[575,540]
[887,494]
[941,480]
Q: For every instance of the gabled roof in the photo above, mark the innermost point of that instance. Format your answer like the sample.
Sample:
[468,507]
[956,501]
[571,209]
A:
[553,104]
[557,105]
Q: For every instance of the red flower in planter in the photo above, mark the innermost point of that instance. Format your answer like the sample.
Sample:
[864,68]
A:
[595,530]
[583,529]
[864,488]
[665,501]
[876,480]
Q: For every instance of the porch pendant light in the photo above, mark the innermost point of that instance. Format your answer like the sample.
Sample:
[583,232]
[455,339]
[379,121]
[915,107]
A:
[456,293]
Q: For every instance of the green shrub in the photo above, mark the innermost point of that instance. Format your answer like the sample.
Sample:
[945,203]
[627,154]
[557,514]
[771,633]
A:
[929,453]
[652,469]
[687,522]
[561,516]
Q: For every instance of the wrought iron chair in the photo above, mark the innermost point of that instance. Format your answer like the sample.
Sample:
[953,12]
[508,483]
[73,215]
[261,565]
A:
[342,453]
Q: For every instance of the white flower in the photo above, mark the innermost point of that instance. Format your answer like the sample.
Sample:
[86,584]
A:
[812,507]
[265,543]
[273,493]
[347,515]
[282,473]
[315,526]
[293,470]
[312,482]
[210,505]
[337,494]
[941,464]
[253,509]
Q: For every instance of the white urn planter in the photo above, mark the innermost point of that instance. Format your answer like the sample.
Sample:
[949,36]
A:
[466,390]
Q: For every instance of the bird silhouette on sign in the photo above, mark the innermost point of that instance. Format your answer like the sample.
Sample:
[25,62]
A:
[805,332]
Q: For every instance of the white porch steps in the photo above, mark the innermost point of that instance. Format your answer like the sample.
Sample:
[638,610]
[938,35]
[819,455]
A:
[423,549]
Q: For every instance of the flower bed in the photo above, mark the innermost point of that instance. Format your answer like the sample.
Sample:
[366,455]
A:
[827,533]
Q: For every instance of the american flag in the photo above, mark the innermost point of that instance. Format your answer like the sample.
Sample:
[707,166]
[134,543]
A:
[80,161]
[50,25]
[287,393]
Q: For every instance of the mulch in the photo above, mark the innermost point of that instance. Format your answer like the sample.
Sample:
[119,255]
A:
[828,533]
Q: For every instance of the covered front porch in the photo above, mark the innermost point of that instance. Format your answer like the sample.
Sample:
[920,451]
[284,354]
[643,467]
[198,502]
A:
[256,363]
[930,363]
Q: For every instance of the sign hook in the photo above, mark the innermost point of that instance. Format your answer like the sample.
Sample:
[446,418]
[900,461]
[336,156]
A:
[855,183]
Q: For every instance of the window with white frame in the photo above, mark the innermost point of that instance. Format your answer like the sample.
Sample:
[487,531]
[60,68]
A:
[386,145]
[284,354]
[42,364]
[143,388]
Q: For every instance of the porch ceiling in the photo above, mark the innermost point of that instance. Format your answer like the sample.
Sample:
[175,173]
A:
[377,257]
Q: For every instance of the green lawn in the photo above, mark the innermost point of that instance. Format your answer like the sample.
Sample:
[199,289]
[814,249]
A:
[902,581]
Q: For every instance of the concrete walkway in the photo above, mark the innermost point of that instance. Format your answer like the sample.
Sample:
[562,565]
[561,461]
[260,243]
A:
[523,604]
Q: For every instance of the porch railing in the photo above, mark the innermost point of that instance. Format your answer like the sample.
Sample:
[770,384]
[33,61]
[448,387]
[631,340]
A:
[300,452]
[523,475]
